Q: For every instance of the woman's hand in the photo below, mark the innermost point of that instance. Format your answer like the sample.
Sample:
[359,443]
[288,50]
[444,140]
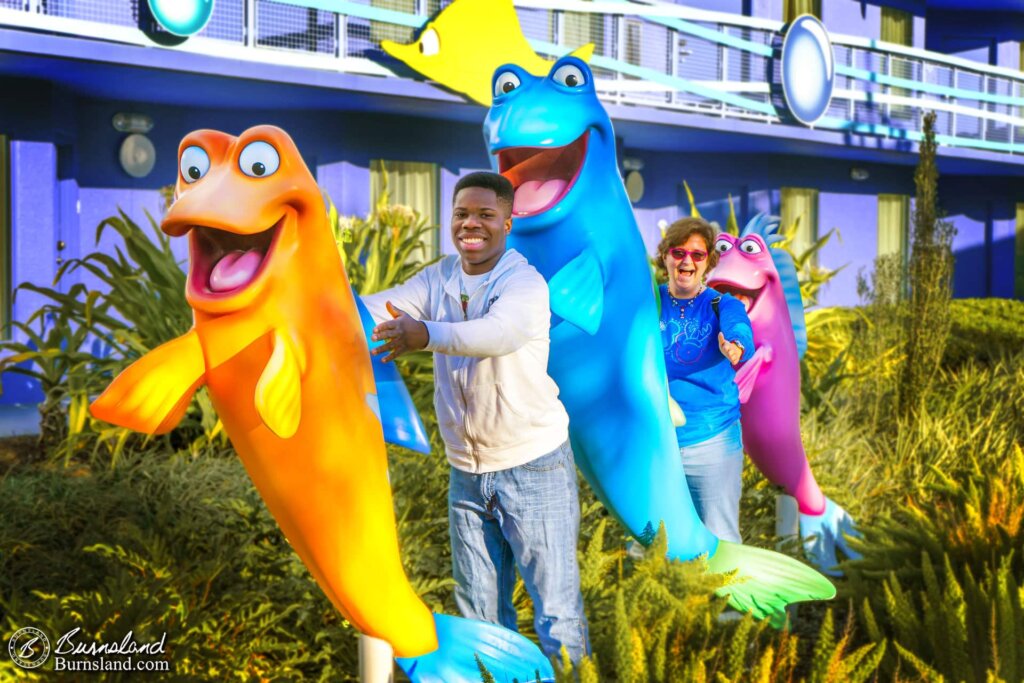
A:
[730,350]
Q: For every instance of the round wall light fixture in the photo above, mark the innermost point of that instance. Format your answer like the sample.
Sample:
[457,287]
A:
[634,186]
[804,71]
[182,17]
[137,155]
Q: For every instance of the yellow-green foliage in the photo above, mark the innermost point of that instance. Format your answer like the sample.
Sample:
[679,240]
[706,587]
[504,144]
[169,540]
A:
[383,249]
[171,539]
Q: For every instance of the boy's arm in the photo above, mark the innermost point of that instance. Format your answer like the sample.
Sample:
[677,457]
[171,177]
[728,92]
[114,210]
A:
[520,313]
[412,296]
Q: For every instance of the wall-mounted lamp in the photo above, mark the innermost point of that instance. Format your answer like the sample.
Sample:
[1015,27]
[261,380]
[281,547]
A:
[132,123]
[632,164]
[859,173]
[137,155]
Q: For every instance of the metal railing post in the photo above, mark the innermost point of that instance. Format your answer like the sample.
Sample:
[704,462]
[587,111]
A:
[250,23]
[952,115]
[376,660]
[723,71]
[984,107]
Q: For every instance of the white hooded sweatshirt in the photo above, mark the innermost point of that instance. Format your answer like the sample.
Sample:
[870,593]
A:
[496,405]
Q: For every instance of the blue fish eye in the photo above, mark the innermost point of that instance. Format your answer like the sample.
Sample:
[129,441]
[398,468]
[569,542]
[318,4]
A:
[570,76]
[194,164]
[506,82]
[259,159]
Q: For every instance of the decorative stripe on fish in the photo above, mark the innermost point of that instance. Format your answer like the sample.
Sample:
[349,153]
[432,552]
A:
[765,280]
[278,343]
[553,140]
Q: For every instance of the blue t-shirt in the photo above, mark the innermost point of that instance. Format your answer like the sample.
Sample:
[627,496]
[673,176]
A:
[700,378]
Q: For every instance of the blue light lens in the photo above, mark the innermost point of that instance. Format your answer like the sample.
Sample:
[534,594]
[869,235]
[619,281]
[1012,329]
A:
[808,69]
[182,17]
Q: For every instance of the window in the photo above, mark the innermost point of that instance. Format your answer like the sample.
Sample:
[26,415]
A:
[413,184]
[800,204]
[898,28]
[5,239]
[580,28]
[1018,261]
[893,225]
[380,30]
[634,36]
[791,9]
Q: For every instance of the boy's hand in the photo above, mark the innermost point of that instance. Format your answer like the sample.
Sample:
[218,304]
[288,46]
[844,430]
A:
[402,335]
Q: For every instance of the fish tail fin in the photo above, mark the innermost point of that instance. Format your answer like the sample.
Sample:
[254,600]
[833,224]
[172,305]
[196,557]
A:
[765,581]
[466,645]
[584,53]
[822,534]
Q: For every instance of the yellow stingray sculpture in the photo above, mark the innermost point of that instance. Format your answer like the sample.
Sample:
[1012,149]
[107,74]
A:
[467,41]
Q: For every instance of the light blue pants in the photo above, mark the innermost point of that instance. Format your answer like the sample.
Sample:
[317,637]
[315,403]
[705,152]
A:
[526,517]
[714,471]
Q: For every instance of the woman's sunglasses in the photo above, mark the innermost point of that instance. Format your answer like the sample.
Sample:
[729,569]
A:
[678,253]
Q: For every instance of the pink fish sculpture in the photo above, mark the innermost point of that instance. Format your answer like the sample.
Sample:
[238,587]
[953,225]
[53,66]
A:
[765,280]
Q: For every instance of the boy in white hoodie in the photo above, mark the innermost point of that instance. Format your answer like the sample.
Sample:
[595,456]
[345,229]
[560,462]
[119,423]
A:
[512,496]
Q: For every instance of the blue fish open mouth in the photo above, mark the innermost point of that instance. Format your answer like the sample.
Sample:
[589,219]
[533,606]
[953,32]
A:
[541,176]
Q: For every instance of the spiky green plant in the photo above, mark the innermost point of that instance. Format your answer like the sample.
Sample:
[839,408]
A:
[930,279]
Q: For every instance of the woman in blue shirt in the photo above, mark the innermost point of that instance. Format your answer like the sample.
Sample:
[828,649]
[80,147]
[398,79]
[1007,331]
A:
[701,347]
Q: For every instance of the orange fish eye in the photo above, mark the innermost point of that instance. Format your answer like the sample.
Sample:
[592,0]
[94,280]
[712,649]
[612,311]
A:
[259,159]
[194,164]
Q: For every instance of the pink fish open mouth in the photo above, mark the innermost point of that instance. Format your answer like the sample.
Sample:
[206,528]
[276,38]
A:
[541,176]
[748,297]
[225,263]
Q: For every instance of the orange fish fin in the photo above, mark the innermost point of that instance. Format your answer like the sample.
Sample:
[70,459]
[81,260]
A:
[279,391]
[152,394]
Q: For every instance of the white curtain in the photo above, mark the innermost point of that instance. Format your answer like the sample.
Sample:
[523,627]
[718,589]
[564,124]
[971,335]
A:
[893,224]
[800,203]
[413,184]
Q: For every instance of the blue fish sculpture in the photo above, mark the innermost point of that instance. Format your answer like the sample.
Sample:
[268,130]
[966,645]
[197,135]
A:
[553,140]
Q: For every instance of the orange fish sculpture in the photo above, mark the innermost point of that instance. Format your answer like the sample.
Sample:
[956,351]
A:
[278,343]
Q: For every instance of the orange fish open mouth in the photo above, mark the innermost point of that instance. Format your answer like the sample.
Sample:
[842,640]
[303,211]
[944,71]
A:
[225,263]
[748,297]
[541,176]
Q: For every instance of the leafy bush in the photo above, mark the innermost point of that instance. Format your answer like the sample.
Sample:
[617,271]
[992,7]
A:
[142,306]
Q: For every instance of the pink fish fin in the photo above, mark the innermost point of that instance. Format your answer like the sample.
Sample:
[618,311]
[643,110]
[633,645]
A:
[746,376]
[152,394]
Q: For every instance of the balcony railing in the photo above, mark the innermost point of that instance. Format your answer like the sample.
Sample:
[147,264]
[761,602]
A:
[651,55]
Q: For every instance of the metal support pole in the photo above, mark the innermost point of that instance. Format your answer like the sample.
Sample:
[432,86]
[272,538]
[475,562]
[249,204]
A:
[376,660]
[787,516]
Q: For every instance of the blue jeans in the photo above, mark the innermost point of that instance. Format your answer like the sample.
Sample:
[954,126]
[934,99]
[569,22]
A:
[714,470]
[530,516]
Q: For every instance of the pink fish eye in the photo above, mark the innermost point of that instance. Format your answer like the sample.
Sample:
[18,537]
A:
[751,247]
[723,245]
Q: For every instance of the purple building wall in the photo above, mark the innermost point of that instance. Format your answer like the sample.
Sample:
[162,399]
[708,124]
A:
[852,248]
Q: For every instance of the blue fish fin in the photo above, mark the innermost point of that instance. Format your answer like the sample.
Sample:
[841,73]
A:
[506,655]
[767,227]
[746,376]
[822,534]
[397,413]
[577,292]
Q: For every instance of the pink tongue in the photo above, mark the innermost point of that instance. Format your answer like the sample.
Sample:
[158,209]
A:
[534,195]
[234,270]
